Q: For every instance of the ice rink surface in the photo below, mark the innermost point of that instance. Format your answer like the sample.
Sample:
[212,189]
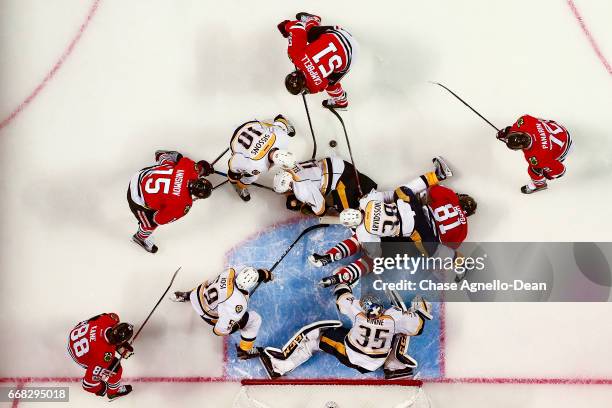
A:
[90,89]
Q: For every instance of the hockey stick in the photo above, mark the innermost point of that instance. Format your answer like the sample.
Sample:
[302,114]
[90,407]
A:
[466,104]
[348,143]
[114,367]
[220,156]
[253,184]
[306,231]
[314,139]
[220,184]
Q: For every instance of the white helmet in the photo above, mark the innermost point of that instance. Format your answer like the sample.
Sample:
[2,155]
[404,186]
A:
[351,217]
[247,278]
[282,181]
[284,159]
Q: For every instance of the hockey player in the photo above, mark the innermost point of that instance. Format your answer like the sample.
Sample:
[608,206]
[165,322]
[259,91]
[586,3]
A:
[92,344]
[545,145]
[322,56]
[165,192]
[365,346]
[223,304]
[256,146]
[317,186]
[401,214]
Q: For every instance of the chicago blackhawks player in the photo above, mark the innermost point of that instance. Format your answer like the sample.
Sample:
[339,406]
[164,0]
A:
[223,304]
[256,146]
[545,145]
[165,192]
[409,213]
[365,346]
[322,56]
[92,344]
[317,186]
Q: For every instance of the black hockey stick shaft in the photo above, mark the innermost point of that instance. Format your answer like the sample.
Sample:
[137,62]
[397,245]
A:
[253,184]
[220,156]
[290,247]
[466,104]
[220,184]
[114,367]
[348,144]
[314,139]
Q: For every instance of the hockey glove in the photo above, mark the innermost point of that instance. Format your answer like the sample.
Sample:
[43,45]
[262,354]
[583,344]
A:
[204,168]
[265,275]
[282,27]
[125,350]
[503,134]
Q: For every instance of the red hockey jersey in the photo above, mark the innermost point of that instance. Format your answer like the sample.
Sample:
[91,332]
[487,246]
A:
[87,343]
[550,142]
[164,189]
[329,53]
[450,219]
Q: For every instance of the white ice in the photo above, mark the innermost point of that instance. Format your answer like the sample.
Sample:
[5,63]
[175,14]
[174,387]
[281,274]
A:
[182,74]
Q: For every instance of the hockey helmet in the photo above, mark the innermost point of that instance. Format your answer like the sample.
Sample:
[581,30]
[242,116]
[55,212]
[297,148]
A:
[282,181]
[372,306]
[247,278]
[120,333]
[200,188]
[381,219]
[351,217]
[518,141]
[295,83]
[467,203]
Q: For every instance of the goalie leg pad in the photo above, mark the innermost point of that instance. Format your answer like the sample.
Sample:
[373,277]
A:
[300,347]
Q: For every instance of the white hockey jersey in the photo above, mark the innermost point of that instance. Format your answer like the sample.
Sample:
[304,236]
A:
[250,145]
[368,343]
[313,180]
[220,303]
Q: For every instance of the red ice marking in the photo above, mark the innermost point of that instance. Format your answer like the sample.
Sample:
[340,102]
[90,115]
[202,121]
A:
[15,403]
[528,381]
[442,351]
[589,36]
[54,69]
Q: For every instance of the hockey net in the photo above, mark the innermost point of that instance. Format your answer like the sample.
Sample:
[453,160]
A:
[331,394]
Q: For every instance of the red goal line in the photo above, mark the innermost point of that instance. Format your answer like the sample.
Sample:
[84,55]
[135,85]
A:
[332,381]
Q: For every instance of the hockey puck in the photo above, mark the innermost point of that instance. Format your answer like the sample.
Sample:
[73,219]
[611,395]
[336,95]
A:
[333,143]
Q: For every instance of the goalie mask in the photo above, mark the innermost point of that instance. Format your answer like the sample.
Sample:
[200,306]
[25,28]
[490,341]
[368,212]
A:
[247,279]
[372,306]
[381,219]
[120,333]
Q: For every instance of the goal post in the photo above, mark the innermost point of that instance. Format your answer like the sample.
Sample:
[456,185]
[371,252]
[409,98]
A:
[331,393]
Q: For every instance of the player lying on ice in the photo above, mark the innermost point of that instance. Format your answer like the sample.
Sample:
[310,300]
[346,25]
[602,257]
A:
[420,211]
[256,146]
[165,192]
[545,145]
[322,55]
[366,346]
[223,304]
[92,344]
[318,186]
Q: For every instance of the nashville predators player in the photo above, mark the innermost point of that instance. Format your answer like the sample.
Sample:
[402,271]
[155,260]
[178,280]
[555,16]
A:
[256,146]
[365,346]
[223,304]
[316,186]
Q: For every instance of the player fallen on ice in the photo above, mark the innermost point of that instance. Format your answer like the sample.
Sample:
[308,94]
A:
[321,186]
[420,211]
[223,303]
[365,346]
[165,192]
[545,145]
[322,56]
[256,146]
[92,344]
